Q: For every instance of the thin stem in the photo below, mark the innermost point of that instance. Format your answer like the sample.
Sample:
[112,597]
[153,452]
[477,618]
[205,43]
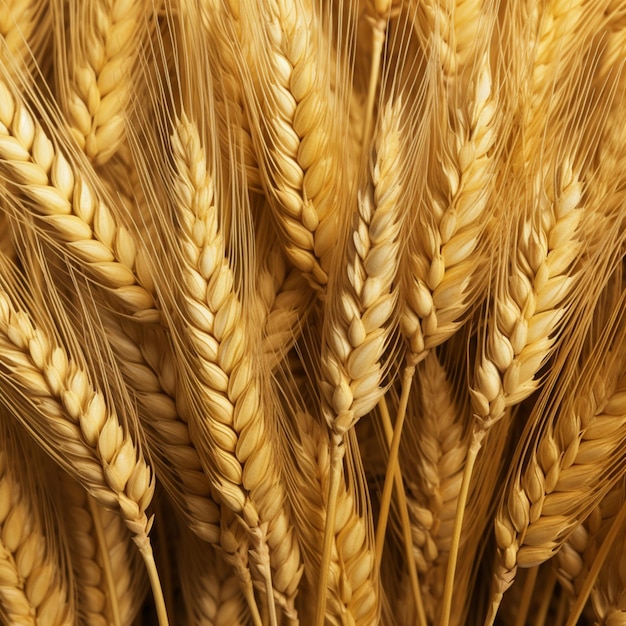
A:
[544,605]
[153,575]
[378,39]
[106,562]
[527,594]
[560,610]
[392,462]
[404,519]
[262,557]
[472,453]
[603,552]
[337,450]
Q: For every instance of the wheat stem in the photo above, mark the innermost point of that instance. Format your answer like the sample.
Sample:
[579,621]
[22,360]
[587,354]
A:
[405,521]
[616,527]
[527,594]
[546,598]
[106,562]
[392,462]
[337,452]
[145,550]
[378,39]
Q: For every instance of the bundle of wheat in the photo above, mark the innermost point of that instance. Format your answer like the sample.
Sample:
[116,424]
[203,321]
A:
[312,312]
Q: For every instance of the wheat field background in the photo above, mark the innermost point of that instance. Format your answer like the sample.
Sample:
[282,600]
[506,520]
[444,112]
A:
[312,312]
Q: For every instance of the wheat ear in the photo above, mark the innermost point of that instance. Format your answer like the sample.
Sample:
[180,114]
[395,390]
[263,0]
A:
[360,318]
[111,584]
[57,402]
[602,576]
[146,360]
[577,449]
[24,31]
[233,431]
[210,587]
[283,298]
[235,132]
[352,592]
[65,199]
[35,587]
[300,163]
[95,66]
[235,547]
[437,432]
[530,304]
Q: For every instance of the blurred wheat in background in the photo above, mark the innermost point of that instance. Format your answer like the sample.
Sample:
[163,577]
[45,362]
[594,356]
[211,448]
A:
[312,312]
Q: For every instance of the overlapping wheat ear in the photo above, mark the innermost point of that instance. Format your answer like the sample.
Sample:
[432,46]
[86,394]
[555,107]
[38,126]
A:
[230,421]
[110,580]
[35,584]
[98,43]
[52,394]
[578,443]
[210,588]
[64,197]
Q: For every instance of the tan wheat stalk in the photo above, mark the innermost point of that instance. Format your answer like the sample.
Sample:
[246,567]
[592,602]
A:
[377,13]
[35,586]
[361,307]
[54,397]
[570,464]
[294,132]
[95,66]
[110,579]
[209,585]
[232,431]
[65,199]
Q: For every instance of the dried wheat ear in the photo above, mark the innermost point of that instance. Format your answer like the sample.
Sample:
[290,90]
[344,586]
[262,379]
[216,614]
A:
[312,312]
